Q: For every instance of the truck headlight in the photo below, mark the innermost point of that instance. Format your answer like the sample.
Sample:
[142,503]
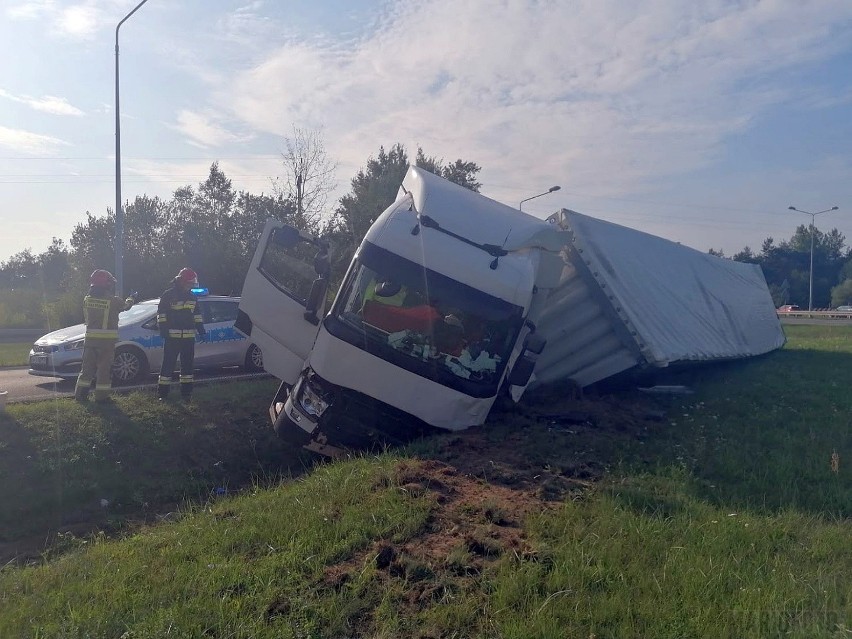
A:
[311,398]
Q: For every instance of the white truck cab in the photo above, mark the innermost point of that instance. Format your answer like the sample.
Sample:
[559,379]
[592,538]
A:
[432,320]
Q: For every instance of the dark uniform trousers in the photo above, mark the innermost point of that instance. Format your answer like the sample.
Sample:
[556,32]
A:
[174,347]
[180,322]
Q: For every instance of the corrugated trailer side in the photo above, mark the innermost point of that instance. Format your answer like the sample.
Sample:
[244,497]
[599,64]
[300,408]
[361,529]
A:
[628,298]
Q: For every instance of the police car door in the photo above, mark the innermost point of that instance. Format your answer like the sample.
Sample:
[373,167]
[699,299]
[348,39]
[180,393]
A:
[283,298]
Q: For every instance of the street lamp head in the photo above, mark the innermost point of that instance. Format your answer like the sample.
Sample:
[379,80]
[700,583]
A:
[550,190]
[792,208]
[834,208]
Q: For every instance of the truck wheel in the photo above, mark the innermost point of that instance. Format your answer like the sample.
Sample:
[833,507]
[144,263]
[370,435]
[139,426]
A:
[129,365]
[254,359]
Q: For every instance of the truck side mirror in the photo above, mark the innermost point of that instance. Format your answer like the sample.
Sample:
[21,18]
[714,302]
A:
[535,343]
[522,371]
[525,364]
[322,265]
[315,299]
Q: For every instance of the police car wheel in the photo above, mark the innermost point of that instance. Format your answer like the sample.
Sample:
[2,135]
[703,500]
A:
[128,366]
[254,359]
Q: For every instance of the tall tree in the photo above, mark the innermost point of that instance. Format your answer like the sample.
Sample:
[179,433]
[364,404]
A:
[842,294]
[308,177]
[55,265]
[375,188]
[746,255]
[203,240]
[214,198]
[787,265]
[93,244]
[461,172]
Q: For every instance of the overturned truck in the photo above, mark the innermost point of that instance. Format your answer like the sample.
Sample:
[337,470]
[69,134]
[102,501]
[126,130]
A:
[453,300]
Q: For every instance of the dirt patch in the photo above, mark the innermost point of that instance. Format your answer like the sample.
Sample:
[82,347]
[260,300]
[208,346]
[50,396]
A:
[486,481]
[468,513]
[553,445]
[472,525]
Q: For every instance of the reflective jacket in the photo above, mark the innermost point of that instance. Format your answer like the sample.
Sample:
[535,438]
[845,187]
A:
[100,314]
[178,315]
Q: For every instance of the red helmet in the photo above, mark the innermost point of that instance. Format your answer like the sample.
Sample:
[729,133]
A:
[187,276]
[101,277]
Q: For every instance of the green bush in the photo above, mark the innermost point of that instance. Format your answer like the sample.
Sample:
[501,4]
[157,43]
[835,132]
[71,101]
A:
[22,308]
[66,310]
[26,308]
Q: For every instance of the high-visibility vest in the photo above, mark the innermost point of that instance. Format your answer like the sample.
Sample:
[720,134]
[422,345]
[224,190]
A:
[392,300]
[101,316]
[178,314]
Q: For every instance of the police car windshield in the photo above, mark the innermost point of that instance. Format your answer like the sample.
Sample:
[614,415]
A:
[136,313]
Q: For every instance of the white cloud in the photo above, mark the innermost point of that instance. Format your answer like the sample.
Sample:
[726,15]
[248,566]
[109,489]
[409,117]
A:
[22,141]
[29,10]
[247,25]
[47,103]
[77,20]
[585,93]
[203,130]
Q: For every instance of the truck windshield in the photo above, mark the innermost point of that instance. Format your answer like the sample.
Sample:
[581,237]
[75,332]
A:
[425,322]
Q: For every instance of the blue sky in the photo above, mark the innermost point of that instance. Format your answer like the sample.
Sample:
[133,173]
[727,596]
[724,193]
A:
[699,121]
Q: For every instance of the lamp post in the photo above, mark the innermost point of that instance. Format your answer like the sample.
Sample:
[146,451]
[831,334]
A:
[813,225]
[119,212]
[550,190]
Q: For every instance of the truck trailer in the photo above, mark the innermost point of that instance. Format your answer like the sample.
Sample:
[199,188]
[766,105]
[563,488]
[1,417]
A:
[453,300]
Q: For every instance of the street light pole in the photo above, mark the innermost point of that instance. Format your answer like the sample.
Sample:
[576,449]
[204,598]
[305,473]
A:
[119,212]
[550,190]
[813,227]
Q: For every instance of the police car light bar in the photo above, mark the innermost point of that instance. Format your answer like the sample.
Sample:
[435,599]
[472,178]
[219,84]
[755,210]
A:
[199,291]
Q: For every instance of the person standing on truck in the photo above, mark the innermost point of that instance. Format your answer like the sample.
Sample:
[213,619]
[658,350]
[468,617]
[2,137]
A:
[101,307]
[179,320]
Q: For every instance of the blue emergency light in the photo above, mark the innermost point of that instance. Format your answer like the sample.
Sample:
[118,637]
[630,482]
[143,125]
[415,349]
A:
[199,291]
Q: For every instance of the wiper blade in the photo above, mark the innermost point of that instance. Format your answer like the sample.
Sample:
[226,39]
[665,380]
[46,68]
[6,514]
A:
[430,223]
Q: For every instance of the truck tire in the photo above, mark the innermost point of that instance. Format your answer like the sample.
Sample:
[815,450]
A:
[130,365]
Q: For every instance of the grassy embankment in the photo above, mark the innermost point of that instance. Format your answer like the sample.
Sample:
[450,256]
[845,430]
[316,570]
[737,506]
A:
[728,518]
[15,354]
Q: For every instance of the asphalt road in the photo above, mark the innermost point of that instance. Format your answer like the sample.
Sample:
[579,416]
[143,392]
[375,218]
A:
[23,387]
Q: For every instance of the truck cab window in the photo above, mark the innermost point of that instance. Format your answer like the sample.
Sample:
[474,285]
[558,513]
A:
[425,322]
[289,265]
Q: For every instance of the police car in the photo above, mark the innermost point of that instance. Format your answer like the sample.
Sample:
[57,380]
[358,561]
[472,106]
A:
[139,350]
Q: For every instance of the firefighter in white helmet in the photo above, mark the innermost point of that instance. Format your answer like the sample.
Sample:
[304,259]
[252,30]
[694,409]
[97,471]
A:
[100,312]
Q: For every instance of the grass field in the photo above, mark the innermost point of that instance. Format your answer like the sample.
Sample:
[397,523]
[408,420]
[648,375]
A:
[15,354]
[726,513]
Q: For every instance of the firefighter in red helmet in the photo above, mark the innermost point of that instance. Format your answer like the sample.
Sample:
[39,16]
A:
[179,320]
[100,312]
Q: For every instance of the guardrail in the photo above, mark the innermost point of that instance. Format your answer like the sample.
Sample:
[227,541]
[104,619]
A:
[816,314]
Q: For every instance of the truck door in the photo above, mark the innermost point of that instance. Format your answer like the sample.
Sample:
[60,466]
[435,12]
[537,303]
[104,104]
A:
[284,284]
